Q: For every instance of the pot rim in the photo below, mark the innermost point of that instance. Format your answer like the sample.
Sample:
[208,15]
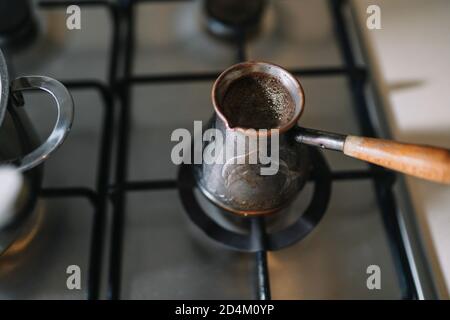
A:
[4,87]
[243,65]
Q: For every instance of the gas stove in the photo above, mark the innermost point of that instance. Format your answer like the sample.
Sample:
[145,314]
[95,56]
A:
[114,204]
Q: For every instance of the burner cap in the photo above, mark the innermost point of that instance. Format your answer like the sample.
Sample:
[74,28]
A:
[227,17]
[241,237]
[18,26]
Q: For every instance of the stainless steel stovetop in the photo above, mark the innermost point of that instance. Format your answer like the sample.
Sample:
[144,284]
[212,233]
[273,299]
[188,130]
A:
[164,255]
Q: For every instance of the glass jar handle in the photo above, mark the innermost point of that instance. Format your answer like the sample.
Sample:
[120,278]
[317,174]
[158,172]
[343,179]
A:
[65,108]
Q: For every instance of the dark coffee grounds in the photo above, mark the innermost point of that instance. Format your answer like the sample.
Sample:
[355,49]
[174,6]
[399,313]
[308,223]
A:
[258,101]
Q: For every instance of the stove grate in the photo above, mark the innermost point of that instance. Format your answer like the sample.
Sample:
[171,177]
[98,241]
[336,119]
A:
[117,92]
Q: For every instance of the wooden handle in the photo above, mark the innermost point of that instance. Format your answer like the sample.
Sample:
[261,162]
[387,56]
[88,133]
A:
[425,162]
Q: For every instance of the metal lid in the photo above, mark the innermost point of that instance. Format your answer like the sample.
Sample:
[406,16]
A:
[4,87]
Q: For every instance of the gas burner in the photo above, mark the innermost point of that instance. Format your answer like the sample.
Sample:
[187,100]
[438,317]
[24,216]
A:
[18,26]
[228,18]
[236,231]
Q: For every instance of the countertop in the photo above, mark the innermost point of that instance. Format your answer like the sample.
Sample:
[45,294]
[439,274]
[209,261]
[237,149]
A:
[409,59]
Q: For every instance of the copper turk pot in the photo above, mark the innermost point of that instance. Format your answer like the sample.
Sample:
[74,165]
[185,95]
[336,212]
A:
[239,187]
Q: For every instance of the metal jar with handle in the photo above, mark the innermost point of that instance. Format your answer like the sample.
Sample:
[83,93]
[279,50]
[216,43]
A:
[242,189]
[19,144]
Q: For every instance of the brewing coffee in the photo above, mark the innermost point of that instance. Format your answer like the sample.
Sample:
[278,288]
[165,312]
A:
[258,101]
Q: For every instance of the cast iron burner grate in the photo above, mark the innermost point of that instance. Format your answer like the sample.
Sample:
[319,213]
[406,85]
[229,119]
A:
[117,92]
[249,241]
